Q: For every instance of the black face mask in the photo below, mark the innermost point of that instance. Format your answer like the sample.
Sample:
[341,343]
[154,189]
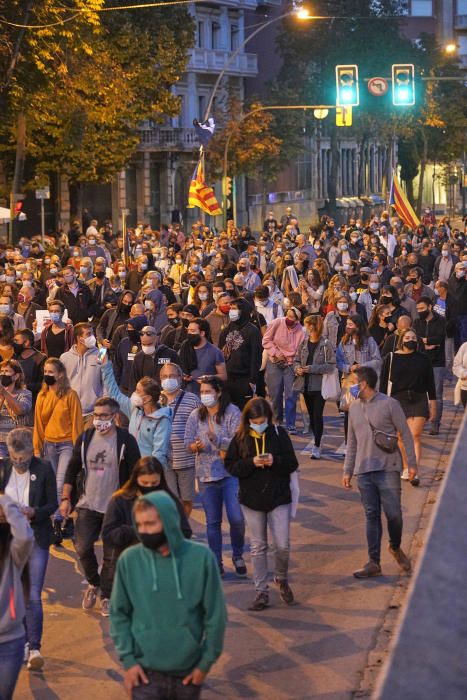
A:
[411,345]
[148,489]
[154,540]
[185,322]
[125,307]
[194,338]
[174,322]
[386,300]
[18,349]
[6,380]
[49,379]
[100,274]
[133,335]
[423,314]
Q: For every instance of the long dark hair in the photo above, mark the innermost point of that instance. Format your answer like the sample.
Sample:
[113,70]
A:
[224,400]
[254,408]
[362,332]
[144,465]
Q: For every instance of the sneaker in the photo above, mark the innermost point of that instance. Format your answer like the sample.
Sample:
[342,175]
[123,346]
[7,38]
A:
[89,597]
[292,430]
[315,452]
[405,475]
[35,660]
[370,569]
[105,607]
[401,558]
[68,529]
[342,449]
[285,591]
[261,602]
[26,653]
[434,429]
[58,537]
[415,481]
[240,567]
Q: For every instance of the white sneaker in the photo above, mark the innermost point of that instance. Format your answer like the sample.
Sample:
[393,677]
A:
[105,607]
[35,661]
[315,452]
[342,449]
[405,475]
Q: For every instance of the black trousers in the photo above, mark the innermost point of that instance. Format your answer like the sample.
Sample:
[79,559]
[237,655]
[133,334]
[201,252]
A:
[87,532]
[240,390]
[315,407]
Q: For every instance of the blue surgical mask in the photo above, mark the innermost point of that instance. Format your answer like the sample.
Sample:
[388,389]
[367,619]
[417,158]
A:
[55,316]
[259,427]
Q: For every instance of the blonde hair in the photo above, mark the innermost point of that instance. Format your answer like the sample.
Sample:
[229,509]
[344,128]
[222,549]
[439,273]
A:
[63,385]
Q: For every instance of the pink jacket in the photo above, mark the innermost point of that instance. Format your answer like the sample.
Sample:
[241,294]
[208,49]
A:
[280,340]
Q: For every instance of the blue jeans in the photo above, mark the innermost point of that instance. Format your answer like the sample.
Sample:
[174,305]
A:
[279,382]
[34,613]
[11,660]
[214,495]
[163,686]
[381,489]
[439,374]
[257,522]
[59,455]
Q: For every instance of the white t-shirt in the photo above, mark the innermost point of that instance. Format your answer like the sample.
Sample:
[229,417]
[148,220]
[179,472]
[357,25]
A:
[18,487]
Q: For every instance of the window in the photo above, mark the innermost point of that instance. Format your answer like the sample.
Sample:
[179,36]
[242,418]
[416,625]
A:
[200,38]
[216,35]
[201,106]
[461,7]
[421,8]
[234,37]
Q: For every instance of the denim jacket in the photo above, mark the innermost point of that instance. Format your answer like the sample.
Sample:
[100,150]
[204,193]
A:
[209,463]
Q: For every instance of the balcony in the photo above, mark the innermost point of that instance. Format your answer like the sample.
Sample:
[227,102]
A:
[236,4]
[460,22]
[213,61]
[168,139]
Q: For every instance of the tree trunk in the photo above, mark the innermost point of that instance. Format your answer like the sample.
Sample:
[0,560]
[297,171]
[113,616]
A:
[361,167]
[19,168]
[422,172]
[409,190]
[76,201]
[333,174]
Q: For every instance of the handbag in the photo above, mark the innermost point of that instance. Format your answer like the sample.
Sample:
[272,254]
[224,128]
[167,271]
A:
[389,389]
[385,441]
[330,386]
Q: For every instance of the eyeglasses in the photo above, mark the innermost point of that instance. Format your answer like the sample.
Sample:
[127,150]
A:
[152,335]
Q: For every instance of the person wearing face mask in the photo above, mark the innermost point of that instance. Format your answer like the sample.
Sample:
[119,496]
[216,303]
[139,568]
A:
[15,401]
[135,277]
[180,474]
[58,422]
[57,336]
[415,287]
[208,432]
[151,358]
[334,321]
[371,416]
[262,457]
[150,423]
[370,297]
[456,316]
[30,483]
[202,297]
[100,287]
[83,369]
[167,585]
[92,249]
[378,324]
[250,279]
[26,307]
[7,310]
[240,343]
[199,357]
[76,297]
[102,460]
[444,264]
[218,318]
[177,271]
[407,375]
[173,323]
[118,531]
[30,360]
[114,317]
[275,293]
[85,270]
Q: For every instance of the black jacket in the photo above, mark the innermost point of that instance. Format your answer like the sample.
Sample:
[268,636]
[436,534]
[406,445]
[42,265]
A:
[42,497]
[268,488]
[76,472]
[81,306]
[435,333]
[242,354]
[150,365]
[118,529]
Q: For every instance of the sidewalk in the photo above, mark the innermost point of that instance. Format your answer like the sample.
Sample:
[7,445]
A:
[318,649]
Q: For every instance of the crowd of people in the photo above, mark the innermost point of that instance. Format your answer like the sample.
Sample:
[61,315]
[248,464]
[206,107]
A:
[137,375]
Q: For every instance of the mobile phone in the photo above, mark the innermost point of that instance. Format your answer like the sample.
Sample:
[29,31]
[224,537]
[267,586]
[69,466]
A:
[264,455]
[101,354]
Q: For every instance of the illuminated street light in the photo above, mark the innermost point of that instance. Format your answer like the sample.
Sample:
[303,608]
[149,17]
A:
[451,47]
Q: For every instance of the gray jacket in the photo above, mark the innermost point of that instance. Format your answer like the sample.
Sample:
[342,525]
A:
[331,327]
[12,607]
[324,362]
[385,414]
[84,375]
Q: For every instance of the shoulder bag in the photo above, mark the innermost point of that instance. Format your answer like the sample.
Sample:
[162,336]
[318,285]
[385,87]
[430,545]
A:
[330,386]
[389,389]
[385,441]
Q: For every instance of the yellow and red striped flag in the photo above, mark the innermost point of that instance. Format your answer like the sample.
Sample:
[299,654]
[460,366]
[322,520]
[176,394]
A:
[401,204]
[201,195]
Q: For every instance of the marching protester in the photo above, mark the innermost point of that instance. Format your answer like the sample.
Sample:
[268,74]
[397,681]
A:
[16,401]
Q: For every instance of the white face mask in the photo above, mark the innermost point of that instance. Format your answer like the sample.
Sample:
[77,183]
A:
[374,286]
[148,349]
[342,306]
[136,400]
[90,341]
[102,426]
[203,296]
[234,314]
[208,400]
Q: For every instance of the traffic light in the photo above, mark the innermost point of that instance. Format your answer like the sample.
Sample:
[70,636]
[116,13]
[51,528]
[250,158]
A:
[226,186]
[347,86]
[403,84]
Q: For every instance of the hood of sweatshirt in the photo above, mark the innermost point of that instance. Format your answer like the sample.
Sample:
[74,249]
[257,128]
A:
[170,517]
[161,412]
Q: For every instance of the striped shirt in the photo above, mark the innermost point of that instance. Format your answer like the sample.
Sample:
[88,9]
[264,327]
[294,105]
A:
[180,458]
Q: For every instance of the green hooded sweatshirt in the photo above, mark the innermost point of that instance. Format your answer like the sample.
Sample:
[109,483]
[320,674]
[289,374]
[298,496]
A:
[168,613]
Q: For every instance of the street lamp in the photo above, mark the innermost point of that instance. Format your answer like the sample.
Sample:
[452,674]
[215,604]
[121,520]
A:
[302,14]
[451,47]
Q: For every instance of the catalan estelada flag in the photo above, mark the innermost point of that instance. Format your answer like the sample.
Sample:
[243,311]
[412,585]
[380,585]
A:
[401,204]
[200,194]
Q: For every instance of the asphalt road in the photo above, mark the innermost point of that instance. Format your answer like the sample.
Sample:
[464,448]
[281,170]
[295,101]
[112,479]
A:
[317,649]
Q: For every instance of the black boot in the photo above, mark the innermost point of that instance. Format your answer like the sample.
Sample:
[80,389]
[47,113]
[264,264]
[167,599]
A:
[58,537]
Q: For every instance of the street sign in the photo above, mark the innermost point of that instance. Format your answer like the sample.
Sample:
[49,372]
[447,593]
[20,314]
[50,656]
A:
[43,193]
[378,87]
[343,116]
